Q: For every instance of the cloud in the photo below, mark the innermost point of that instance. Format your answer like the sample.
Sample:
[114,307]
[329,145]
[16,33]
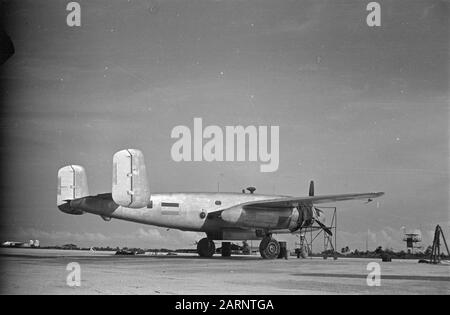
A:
[387,237]
[142,237]
[58,237]
[151,234]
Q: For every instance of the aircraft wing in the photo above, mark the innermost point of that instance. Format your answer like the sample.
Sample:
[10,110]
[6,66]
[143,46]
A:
[290,202]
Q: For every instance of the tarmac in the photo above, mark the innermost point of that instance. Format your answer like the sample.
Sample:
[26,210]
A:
[42,271]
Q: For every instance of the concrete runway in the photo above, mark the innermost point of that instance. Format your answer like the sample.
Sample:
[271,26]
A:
[39,271]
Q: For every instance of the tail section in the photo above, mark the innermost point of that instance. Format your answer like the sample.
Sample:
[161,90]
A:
[130,185]
[72,184]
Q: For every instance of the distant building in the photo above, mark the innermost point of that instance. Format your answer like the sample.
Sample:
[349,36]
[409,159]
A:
[30,244]
[12,244]
[411,238]
[69,246]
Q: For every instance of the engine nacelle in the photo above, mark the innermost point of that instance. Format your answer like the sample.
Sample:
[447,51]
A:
[256,218]
[130,185]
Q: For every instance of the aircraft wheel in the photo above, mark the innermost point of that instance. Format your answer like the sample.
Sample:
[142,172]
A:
[206,248]
[269,248]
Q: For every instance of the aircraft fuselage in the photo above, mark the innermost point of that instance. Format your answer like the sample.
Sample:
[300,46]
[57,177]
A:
[190,212]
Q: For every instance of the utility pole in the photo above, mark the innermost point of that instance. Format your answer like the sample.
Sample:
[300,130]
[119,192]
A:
[367,240]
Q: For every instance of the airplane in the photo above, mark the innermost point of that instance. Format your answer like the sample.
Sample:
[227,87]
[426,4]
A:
[221,216]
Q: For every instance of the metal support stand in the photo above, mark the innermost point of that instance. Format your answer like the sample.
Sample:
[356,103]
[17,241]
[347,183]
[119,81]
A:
[314,231]
[436,249]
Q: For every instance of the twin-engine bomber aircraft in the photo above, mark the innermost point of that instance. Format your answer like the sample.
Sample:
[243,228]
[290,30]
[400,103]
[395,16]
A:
[222,216]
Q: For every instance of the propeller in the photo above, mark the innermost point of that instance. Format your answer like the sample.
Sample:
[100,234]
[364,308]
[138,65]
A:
[6,47]
[320,223]
[311,188]
[318,211]
[324,227]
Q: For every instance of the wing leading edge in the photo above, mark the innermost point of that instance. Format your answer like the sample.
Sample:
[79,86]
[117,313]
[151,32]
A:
[290,202]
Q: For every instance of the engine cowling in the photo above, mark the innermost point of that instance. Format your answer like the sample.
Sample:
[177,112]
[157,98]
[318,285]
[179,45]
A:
[261,218]
[302,216]
[130,185]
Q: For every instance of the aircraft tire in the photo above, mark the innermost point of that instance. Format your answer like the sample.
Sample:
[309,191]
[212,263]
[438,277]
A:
[206,248]
[269,248]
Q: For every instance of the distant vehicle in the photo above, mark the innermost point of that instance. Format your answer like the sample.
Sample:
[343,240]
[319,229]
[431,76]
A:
[222,216]
[125,252]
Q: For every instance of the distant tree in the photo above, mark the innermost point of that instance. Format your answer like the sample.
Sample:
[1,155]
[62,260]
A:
[389,250]
[379,250]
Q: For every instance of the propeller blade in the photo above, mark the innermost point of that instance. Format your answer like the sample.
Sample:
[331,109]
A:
[318,210]
[324,227]
[311,188]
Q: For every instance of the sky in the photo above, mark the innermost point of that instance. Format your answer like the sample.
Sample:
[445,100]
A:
[360,109]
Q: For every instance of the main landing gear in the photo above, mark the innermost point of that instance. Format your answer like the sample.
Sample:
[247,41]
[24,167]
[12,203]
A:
[269,248]
[206,247]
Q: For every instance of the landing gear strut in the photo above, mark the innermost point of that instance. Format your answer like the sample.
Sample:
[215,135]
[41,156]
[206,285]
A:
[206,247]
[269,248]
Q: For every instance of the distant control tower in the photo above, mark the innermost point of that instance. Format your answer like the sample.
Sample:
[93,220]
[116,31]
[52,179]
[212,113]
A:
[411,238]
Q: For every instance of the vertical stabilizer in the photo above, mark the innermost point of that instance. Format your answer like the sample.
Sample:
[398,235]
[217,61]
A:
[130,185]
[72,184]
